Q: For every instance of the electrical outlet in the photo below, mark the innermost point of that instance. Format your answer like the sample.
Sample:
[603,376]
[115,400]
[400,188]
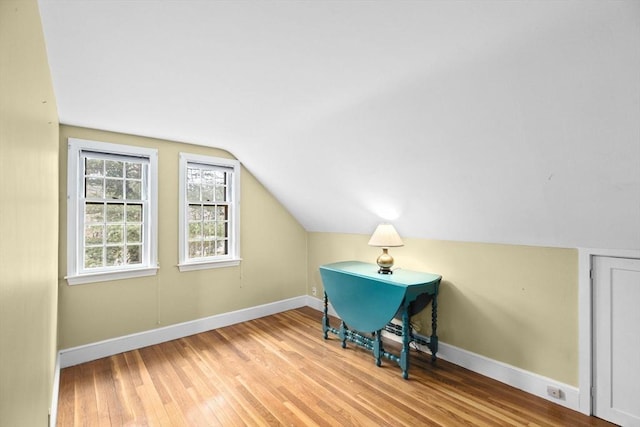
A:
[554,392]
[314,291]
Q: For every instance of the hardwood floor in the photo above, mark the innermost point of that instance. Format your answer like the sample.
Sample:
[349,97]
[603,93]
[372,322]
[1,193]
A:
[278,370]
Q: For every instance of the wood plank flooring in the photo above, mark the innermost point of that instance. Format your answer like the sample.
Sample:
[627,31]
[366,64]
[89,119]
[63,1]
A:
[278,370]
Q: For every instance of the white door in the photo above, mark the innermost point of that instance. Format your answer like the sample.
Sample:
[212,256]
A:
[616,352]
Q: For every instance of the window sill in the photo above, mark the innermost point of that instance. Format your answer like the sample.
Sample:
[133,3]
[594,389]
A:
[106,276]
[205,265]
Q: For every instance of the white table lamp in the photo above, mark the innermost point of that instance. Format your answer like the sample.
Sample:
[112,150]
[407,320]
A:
[385,236]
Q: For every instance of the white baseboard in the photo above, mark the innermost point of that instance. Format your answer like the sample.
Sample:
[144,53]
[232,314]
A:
[86,353]
[519,378]
[516,377]
[55,392]
[318,304]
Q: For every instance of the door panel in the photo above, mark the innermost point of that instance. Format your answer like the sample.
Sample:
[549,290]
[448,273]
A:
[617,340]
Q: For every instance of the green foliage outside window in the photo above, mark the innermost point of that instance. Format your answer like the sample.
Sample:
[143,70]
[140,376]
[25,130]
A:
[113,212]
[207,212]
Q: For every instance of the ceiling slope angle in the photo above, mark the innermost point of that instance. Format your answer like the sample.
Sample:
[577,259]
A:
[510,122]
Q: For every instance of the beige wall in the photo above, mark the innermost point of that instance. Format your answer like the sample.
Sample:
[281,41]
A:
[514,304]
[28,218]
[273,267]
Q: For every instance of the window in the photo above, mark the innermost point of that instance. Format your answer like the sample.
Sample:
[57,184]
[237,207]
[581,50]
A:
[209,212]
[111,211]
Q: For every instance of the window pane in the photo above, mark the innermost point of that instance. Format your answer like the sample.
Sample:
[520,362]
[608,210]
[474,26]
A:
[209,213]
[221,186]
[134,213]
[209,229]
[208,184]
[134,170]
[134,233]
[195,249]
[193,192]
[94,212]
[134,190]
[134,254]
[208,177]
[94,167]
[221,247]
[193,185]
[93,257]
[221,212]
[209,248]
[221,229]
[195,212]
[114,255]
[221,178]
[114,168]
[221,194]
[94,188]
[93,234]
[115,234]
[207,193]
[113,189]
[115,212]
[195,230]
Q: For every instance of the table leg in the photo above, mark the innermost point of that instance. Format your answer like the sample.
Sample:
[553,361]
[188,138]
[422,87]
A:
[434,325]
[404,355]
[343,334]
[325,318]
[377,347]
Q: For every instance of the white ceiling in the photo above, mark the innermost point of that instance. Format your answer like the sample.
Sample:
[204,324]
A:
[492,121]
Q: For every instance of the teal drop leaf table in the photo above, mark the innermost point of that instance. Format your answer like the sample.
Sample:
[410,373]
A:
[367,301]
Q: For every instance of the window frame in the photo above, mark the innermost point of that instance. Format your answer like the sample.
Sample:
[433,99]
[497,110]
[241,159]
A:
[233,257]
[76,273]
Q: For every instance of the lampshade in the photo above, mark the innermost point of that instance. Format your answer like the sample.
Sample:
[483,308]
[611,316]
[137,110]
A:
[385,236]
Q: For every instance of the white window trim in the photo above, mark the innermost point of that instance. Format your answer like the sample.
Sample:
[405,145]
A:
[75,147]
[233,259]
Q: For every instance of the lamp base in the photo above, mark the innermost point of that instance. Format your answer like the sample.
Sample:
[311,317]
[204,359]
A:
[385,262]
[385,270]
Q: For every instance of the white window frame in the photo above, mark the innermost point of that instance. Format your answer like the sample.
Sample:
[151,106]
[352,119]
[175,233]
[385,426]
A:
[233,257]
[76,274]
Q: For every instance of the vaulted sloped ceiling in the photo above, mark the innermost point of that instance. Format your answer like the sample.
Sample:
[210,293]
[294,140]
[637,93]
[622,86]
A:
[493,121]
